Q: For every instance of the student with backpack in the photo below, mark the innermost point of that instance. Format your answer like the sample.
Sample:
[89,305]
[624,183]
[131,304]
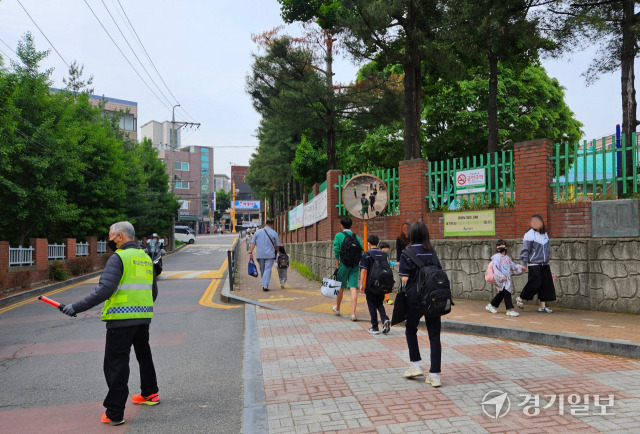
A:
[379,281]
[282,263]
[499,273]
[347,251]
[385,248]
[420,268]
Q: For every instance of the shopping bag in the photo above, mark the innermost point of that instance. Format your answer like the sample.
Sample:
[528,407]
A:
[331,286]
[253,270]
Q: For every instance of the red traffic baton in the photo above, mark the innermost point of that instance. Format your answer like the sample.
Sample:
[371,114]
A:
[53,303]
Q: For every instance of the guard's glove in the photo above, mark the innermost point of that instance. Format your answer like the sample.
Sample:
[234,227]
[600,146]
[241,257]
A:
[68,310]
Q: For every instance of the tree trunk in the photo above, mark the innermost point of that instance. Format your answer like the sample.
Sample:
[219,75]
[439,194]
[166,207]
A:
[629,104]
[271,206]
[332,159]
[412,78]
[492,105]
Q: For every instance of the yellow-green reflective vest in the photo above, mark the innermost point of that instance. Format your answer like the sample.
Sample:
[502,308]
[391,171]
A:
[134,296]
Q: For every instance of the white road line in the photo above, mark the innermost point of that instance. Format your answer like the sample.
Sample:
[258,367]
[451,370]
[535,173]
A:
[571,333]
[593,325]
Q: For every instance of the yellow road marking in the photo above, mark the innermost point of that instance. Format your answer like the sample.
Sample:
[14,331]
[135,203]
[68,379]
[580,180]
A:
[22,303]
[278,299]
[208,295]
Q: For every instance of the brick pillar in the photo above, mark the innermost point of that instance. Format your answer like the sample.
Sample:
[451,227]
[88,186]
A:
[4,264]
[315,189]
[414,188]
[40,253]
[533,175]
[70,248]
[332,202]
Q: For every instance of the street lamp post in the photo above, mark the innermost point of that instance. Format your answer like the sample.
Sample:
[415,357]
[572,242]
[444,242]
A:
[173,176]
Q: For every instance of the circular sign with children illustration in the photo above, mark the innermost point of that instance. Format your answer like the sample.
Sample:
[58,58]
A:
[365,196]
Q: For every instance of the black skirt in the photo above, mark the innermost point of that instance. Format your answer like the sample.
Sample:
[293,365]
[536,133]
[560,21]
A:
[540,282]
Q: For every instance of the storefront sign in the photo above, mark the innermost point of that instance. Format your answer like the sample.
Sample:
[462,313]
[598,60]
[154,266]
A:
[470,181]
[469,224]
[248,204]
[296,217]
[316,209]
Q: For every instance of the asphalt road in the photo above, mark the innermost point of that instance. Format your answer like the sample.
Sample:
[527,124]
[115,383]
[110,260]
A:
[51,365]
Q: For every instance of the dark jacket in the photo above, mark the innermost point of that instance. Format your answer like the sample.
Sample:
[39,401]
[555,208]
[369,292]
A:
[107,285]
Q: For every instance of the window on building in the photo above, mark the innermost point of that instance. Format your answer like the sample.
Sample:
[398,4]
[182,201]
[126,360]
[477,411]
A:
[182,184]
[204,158]
[204,187]
[178,165]
[205,204]
[204,172]
[204,150]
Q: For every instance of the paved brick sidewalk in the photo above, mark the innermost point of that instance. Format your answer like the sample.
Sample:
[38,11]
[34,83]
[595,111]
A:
[327,374]
[304,295]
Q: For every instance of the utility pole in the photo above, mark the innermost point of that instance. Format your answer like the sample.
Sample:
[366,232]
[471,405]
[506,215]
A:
[173,144]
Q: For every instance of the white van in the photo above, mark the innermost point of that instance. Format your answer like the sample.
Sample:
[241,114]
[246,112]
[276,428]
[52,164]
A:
[182,234]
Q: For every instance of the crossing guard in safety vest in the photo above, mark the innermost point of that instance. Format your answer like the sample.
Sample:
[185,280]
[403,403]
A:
[128,289]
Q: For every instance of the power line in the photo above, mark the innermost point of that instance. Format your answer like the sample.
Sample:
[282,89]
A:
[125,57]
[150,60]
[134,53]
[45,36]
[9,47]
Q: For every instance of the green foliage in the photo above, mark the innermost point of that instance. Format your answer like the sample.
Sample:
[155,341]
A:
[57,272]
[310,163]
[304,271]
[223,201]
[326,13]
[530,106]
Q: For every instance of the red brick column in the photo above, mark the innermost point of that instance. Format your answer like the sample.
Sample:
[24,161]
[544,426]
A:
[413,190]
[40,253]
[533,174]
[70,248]
[4,264]
[332,201]
[315,189]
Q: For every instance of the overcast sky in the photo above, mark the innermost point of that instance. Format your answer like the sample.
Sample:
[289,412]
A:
[202,49]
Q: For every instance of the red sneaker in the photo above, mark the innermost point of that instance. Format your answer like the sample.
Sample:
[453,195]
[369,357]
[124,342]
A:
[105,419]
[152,399]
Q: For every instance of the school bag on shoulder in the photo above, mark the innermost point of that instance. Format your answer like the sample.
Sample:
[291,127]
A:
[350,250]
[283,260]
[380,277]
[434,289]
[488,275]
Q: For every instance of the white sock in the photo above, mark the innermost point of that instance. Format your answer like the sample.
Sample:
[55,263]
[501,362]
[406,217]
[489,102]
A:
[416,364]
[432,374]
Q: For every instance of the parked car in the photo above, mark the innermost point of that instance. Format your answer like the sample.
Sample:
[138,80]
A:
[183,234]
[191,231]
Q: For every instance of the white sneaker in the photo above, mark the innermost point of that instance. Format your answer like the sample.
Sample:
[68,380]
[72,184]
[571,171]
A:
[336,311]
[413,372]
[544,309]
[434,381]
[491,309]
[374,331]
[512,312]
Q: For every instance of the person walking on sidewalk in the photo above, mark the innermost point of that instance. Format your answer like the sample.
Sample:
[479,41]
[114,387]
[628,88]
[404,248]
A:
[503,266]
[535,257]
[374,256]
[347,251]
[128,289]
[420,245]
[266,241]
[282,263]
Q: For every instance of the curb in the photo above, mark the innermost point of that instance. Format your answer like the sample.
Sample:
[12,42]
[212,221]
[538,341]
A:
[21,296]
[254,419]
[558,340]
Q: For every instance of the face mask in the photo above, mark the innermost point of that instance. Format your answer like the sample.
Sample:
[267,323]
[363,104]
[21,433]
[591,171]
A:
[501,249]
[111,244]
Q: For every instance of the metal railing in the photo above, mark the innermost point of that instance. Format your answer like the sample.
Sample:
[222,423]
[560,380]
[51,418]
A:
[56,251]
[82,249]
[232,260]
[20,256]
[390,177]
[596,168]
[499,188]
[102,247]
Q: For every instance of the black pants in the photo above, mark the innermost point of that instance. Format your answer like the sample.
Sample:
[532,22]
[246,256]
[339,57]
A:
[116,366]
[375,303]
[503,294]
[540,282]
[433,328]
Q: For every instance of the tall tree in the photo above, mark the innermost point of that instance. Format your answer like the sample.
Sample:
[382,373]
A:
[399,32]
[486,32]
[615,26]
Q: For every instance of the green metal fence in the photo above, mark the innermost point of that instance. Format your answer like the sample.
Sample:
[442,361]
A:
[595,168]
[321,188]
[499,187]
[390,177]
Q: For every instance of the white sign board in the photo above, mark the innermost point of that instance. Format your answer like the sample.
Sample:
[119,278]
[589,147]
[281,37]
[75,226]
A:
[470,181]
[296,217]
[316,209]
[184,204]
[248,204]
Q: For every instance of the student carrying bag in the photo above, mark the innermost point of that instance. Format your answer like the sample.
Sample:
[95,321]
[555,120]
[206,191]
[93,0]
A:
[380,278]
[433,287]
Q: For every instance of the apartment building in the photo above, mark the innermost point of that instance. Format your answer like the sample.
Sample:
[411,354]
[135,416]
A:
[160,135]
[127,109]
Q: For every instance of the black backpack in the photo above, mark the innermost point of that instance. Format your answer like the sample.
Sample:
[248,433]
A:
[350,250]
[283,260]
[380,280]
[434,290]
